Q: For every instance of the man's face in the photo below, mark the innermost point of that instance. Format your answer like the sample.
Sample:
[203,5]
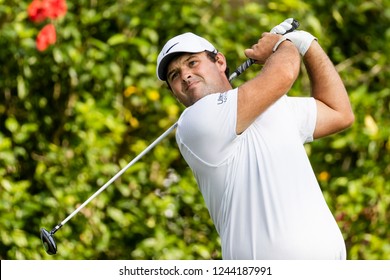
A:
[193,76]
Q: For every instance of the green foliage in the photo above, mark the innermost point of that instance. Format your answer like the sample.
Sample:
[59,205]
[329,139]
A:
[74,115]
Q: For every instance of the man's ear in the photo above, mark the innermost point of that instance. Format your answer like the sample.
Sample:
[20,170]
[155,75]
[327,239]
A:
[221,61]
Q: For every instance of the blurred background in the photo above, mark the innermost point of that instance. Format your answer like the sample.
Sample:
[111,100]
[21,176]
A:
[78,104]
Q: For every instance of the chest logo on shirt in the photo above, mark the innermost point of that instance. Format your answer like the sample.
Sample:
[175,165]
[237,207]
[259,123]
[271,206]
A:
[222,98]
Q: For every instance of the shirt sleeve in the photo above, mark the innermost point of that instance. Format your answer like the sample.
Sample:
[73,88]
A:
[207,129]
[305,112]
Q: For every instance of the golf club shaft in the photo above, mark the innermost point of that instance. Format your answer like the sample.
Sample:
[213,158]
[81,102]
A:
[116,176]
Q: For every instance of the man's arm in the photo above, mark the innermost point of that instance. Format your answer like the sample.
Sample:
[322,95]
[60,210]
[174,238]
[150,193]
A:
[278,74]
[334,112]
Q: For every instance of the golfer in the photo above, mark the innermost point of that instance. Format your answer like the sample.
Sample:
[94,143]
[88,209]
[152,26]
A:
[245,145]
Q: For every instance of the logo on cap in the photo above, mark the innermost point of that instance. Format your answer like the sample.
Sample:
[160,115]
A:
[170,48]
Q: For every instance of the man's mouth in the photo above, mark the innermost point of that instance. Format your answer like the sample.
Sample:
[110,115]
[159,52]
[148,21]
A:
[191,85]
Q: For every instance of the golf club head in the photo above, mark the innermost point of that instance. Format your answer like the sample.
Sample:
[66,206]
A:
[48,242]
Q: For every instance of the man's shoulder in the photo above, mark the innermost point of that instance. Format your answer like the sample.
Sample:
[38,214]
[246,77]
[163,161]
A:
[212,103]
[213,114]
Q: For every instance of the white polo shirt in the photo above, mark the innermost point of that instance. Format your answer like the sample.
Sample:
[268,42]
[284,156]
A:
[259,187]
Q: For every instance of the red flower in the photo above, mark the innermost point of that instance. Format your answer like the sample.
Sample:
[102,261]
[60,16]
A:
[46,37]
[55,8]
[39,10]
[36,11]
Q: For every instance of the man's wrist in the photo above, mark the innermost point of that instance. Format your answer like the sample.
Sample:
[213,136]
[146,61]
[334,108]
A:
[281,41]
[301,39]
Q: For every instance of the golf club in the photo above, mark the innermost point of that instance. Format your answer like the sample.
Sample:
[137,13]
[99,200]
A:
[250,61]
[47,238]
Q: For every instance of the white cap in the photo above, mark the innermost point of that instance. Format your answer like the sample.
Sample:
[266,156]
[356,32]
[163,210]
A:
[184,43]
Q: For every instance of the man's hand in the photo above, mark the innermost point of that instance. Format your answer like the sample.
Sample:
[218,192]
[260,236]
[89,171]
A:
[286,26]
[301,39]
[261,51]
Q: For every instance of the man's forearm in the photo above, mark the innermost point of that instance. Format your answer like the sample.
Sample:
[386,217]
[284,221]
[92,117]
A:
[326,84]
[328,88]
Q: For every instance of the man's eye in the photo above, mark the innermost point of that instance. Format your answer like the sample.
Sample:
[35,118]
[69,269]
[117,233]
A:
[192,63]
[173,76]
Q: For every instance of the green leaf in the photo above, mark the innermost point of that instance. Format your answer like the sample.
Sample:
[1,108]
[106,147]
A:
[117,39]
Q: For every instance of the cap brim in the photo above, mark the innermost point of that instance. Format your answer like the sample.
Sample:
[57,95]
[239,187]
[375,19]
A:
[162,67]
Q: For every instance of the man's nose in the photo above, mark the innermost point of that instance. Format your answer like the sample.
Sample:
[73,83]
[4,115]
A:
[186,75]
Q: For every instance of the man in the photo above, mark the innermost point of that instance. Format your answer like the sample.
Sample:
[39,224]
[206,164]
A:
[245,145]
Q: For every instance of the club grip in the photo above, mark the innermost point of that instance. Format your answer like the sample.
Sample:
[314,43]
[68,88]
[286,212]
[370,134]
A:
[240,69]
[295,25]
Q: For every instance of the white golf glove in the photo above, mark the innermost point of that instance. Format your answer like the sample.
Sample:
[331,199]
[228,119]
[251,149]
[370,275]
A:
[301,39]
[283,27]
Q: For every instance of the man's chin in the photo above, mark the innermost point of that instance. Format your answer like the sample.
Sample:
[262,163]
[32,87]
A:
[197,97]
